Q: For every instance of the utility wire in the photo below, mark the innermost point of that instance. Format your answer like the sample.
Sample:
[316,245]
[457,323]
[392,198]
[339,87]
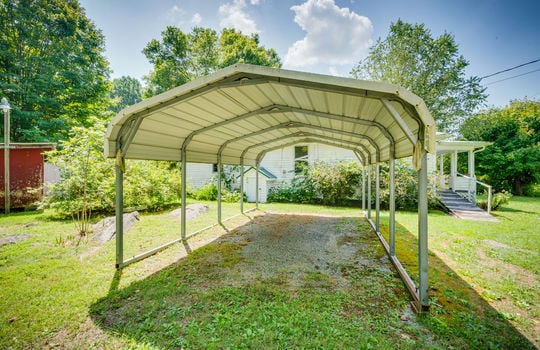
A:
[509,69]
[512,77]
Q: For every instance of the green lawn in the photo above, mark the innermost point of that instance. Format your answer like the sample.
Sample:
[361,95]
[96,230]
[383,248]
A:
[56,290]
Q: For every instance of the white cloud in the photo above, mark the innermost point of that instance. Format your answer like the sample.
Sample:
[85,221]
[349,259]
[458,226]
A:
[233,15]
[334,35]
[196,18]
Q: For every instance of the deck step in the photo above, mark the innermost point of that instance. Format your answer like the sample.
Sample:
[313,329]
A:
[462,208]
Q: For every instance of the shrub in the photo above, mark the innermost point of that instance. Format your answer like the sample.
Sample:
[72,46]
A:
[532,190]
[335,183]
[300,190]
[207,192]
[497,200]
[87,179]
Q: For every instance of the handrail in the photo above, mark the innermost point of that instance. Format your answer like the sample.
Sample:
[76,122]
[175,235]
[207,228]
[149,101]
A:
[488,187]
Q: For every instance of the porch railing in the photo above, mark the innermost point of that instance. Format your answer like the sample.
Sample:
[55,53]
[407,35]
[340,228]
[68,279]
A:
[471,190]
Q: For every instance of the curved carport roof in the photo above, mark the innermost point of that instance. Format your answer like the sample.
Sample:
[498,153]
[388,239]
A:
[243,110]
[238,114]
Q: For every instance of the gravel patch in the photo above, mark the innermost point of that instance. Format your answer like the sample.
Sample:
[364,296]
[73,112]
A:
[294,245]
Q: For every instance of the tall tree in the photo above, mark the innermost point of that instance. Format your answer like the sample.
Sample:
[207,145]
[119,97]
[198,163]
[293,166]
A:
[513,161]
[52,68]
[430,67]
[125,92]
[179,57]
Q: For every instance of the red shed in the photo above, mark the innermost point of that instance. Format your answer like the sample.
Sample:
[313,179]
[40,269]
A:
[26,173]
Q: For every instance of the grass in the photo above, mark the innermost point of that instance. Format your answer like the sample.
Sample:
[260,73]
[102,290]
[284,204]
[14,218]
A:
[55,290]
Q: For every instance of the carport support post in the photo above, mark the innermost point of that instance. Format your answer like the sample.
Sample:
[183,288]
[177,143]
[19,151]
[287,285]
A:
[119,210]
[377,195]
[257,185]
[219,166]
[392,204]
[183,195]
[423,233]
[369,192]
[242,185]
[363,188]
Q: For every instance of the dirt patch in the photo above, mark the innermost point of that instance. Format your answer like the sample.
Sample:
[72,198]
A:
[293,246]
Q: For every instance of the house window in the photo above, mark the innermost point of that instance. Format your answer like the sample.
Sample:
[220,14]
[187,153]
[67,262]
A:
[214,168]
[300,159]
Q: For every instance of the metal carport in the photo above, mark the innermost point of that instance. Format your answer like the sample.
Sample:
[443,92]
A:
[236,115]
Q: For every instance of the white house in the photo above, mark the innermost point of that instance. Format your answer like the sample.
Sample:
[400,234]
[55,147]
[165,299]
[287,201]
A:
[281,165]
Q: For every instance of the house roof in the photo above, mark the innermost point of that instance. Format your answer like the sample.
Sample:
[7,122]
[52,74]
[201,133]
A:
[444,146]
[262,170]
[242,111]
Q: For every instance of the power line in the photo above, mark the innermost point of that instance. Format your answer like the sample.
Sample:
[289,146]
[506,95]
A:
[509,69]
[512,77]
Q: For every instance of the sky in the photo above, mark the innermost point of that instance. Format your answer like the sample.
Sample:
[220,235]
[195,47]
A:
[332,36]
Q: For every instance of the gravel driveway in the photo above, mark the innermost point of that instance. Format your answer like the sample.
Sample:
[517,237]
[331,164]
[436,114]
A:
[292,245]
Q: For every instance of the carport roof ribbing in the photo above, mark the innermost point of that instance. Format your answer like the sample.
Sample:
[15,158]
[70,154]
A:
[243,110]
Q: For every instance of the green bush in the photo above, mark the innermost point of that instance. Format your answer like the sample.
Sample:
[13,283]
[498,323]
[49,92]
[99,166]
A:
[497,200]
[335,183]
[209,192]
[87,178]
[300,190]
[532,190]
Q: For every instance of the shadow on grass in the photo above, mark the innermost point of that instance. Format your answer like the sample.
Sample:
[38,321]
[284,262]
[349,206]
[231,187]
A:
[219,297]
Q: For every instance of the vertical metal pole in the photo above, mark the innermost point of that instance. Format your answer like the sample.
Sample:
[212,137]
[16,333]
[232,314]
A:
[219,188]
[119,211]
[441,171]
[377,197]
[183,195]
[7,190]
[392,213]
[369,193]
[423,233]
[363,188]
[242,185]
[257,185]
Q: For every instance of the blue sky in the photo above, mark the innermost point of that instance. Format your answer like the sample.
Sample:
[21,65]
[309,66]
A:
[331,36]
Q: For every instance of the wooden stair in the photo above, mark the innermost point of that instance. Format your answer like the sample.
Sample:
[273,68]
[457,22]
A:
[462,208]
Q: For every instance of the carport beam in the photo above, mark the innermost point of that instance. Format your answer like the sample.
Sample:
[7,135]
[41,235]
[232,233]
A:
[377,197]
[219,166]
[119,212]
[183,195]
[392,205]
[369,193]
[423,234]
[257,185]
[242,184]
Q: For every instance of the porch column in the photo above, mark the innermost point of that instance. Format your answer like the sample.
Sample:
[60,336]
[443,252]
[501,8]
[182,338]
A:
[453,169]
[441,171]
[471,164]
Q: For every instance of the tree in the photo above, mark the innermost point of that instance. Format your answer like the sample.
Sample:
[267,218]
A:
[125,92]
[429,67]
[179,57]
[52,68]
[513,161]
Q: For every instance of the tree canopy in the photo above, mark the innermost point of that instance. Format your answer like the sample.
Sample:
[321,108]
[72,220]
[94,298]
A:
[513,161]
[125,91]
[52,68]
[430,67]
[180,57]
